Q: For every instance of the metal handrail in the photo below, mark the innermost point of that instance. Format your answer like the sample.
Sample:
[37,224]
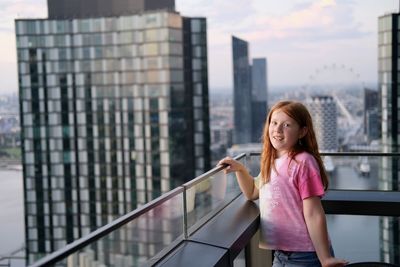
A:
[211,172]
[121,221]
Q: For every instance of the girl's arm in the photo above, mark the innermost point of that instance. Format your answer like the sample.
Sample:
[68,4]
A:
[245,180]
[314,216]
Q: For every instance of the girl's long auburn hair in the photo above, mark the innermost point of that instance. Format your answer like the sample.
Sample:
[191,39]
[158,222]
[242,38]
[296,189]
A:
[308,143]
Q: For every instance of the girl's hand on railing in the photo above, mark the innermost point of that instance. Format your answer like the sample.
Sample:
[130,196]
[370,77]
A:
[232,165]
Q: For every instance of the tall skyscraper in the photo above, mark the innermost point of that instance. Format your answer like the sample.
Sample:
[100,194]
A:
[324,113]
[389,95]
[258,98]
[241,91]
[249,93]
[114,111]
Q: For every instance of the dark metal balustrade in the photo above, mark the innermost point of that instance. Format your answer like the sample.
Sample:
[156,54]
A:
[214,225]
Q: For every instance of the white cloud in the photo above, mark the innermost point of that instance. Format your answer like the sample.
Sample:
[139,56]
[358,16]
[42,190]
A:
[322,20]
[224,18]
[317,21]
[12,10]
[298,38]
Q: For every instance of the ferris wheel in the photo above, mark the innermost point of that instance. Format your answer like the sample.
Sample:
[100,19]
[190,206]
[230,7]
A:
[346,87]
[334,76]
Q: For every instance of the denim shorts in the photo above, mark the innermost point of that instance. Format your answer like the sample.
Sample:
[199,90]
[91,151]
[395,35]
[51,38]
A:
[296,259]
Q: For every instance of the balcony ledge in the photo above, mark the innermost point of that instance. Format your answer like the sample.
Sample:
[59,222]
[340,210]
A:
[220,240]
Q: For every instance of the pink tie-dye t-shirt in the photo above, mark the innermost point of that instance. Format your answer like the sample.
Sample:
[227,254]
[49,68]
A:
[282,222]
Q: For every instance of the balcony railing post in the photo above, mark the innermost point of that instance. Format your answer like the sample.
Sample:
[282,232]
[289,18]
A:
[247,160]
[185,224]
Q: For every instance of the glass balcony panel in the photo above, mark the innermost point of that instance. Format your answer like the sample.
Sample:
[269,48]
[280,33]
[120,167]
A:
[253,164]
[148,237]
[137,242]
[362,172]
[206,198]
[364,238]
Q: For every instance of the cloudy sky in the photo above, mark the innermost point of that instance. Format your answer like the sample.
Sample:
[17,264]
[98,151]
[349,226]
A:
[297,37]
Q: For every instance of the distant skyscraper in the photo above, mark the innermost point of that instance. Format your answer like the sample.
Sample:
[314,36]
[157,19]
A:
[371,116]
[259,98]
[372,124]
[114,111]
[250,94]
[241,91]
[389,94]
[324,113]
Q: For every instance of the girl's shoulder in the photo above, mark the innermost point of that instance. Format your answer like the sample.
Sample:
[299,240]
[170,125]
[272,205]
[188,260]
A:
[305,157]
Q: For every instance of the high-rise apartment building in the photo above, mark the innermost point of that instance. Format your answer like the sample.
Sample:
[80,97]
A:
[249,93]
[114,112]
[324,113]
[389,96]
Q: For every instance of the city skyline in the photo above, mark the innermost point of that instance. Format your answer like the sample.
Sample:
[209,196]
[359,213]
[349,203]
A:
[61,124]
[297,37]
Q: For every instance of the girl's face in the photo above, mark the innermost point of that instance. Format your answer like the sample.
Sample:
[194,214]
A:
[284,132]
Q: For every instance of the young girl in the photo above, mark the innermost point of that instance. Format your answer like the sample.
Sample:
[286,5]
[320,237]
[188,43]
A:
[290,186]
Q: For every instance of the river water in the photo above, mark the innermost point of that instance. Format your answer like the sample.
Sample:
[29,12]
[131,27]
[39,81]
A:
[355,238]
[12,214]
